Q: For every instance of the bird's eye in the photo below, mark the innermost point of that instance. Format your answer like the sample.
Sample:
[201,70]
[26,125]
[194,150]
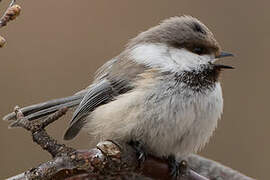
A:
[199,50]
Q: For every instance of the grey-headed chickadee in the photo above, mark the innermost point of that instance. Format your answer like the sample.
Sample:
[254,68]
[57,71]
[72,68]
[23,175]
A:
[163,91]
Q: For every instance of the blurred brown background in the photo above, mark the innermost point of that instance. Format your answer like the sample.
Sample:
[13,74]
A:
[54,48]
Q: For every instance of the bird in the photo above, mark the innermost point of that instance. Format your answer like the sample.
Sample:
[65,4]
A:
[161,94]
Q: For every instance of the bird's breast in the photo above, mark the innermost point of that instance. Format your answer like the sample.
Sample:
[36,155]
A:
[167,119]
[177,120]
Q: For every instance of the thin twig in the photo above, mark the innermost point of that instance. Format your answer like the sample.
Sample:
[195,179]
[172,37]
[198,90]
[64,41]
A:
[12,3]
[39,134]
[10,14]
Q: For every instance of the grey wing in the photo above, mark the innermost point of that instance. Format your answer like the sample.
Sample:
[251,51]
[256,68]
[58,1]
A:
[114,78]
[99,93]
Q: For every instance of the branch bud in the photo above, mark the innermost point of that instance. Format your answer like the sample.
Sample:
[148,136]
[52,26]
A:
[2,42]
[13,11]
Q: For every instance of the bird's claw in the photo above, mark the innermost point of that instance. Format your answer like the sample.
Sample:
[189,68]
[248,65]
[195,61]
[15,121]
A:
[177,169]
[140,152]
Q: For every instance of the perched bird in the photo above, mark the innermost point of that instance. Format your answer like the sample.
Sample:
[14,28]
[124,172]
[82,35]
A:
[161,93]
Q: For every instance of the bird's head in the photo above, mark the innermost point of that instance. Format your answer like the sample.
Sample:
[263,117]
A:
[178,43]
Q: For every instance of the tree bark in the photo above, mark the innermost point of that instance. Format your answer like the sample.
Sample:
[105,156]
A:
[109,160]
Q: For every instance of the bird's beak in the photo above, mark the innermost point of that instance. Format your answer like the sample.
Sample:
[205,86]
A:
[221,66]
[224,54]
[221,55]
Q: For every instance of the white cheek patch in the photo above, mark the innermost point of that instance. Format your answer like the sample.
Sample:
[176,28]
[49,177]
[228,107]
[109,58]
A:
[153,55]
[186,59]
[167,58]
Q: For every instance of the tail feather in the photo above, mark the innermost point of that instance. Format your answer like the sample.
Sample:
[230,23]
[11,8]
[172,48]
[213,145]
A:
[52,109]
[43,109]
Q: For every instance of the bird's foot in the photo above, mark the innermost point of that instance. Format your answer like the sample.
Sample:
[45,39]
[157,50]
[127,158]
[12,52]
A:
[139,149]
[177,169]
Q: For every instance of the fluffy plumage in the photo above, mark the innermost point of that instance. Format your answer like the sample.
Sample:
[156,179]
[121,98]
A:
[162,90]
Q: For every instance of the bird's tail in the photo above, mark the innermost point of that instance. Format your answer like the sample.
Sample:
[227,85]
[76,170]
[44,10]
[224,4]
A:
[43,109]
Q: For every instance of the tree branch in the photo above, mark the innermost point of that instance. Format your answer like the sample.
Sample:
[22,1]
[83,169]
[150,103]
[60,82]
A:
[109,160]
[39,134]
[10,14]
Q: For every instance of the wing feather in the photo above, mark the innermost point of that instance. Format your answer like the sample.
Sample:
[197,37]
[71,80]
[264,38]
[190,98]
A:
[114,78]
